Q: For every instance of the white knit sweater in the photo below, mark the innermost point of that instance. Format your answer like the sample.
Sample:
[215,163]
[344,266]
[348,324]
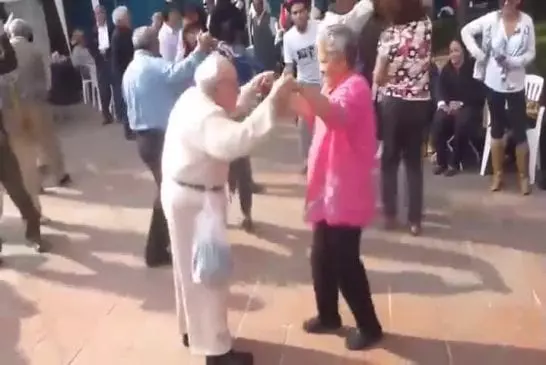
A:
[518,50]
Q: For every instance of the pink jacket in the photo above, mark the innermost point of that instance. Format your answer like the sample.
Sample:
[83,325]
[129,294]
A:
[340,186]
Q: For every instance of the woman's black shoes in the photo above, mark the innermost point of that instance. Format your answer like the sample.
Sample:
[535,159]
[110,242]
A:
[356,339]
[231,358]
[361,340]
[316,326]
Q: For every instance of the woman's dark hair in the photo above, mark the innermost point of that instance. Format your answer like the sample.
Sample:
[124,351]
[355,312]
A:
[168,10]
[459,40]
[194,27]
[191,8]
[288,4]
[401,11]
[227,23]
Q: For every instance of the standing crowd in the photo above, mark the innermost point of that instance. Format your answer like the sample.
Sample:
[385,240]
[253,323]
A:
[197,92]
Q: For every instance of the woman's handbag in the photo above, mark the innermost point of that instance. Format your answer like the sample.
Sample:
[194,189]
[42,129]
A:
[211,253]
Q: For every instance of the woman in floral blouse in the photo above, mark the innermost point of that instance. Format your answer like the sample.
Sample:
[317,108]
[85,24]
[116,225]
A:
[402,73]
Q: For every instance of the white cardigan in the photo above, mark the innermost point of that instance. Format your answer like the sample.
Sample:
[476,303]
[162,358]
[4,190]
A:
[519,50]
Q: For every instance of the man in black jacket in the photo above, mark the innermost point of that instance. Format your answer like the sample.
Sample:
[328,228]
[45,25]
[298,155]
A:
[99,47]
[122,54]
[10,173]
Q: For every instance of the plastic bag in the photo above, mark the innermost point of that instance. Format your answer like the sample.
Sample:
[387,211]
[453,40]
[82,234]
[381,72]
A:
[211,253]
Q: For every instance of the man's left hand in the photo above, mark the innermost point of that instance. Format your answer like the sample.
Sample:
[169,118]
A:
[263,82]
[205,42]
[455,105]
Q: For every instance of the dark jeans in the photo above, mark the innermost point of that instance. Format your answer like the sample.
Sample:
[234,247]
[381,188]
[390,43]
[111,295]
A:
[240,179]
[120,108]
[150,148]
[404,124]
[462,125]
[104,78]
[378,123]
[11,178]
[514,118]
[336,266]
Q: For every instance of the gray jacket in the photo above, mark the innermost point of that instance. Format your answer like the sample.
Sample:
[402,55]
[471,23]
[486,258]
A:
[32,77]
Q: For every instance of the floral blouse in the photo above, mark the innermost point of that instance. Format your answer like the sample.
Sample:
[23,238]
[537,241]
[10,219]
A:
[408,48]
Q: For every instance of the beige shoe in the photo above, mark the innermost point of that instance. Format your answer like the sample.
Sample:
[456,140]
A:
[497,160]
[522,163]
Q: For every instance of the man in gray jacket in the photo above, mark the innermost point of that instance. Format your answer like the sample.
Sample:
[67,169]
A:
[10,173]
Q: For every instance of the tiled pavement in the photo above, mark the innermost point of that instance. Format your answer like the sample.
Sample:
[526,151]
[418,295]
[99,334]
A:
[471,291]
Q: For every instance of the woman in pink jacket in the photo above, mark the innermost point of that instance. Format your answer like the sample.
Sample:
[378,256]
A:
[340,199]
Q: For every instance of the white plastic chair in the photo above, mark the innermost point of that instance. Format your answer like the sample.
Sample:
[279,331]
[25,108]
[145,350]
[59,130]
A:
[533,90]
[90,86]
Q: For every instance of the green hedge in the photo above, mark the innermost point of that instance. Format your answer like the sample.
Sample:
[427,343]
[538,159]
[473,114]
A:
[443,32]
[540,62]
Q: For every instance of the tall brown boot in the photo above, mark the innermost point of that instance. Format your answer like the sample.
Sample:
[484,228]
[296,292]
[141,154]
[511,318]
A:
[497,160]
[522,163]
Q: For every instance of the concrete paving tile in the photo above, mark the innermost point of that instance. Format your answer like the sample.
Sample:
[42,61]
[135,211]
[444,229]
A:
[470,291]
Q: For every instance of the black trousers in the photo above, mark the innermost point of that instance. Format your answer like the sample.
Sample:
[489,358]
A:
[150,148]
[460,125]
[120,108]
[240,179]
[11,178]
[336,266]
[404,123]
[104,78]
[513,118]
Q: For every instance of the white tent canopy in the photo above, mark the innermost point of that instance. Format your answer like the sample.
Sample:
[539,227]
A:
[33,12]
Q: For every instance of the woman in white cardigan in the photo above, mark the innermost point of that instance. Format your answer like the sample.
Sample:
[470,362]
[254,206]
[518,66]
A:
[506,48]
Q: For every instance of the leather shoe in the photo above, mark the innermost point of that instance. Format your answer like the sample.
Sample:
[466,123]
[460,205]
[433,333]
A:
[361,340]
[316,326]
[158,260]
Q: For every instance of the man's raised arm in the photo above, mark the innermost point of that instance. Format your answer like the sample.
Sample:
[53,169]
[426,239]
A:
[8,60]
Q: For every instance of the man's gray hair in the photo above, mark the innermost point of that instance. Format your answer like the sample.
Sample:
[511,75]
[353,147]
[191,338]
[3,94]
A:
[19,28]
[340,40]
[119,13]
[208,72]
[144,37]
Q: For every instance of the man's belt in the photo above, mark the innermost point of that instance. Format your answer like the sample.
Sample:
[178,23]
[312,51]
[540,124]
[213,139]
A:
[201,188]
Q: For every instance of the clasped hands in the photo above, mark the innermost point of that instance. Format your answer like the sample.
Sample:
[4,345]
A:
[285,92]
[206,42]
[452,107]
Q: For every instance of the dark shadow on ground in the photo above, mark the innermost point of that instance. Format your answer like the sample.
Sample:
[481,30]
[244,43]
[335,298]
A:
[423,351]
[294,268]
[13,309]
[266,353]
[413,350]
[154,287]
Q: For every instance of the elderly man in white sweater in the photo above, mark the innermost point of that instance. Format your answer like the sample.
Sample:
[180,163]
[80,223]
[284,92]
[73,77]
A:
[197,151]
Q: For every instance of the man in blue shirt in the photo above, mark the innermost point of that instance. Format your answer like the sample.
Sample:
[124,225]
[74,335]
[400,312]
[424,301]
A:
[151,87]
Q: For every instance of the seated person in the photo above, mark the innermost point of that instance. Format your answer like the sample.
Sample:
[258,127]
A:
[434,99]
[81,57]
[459,110]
